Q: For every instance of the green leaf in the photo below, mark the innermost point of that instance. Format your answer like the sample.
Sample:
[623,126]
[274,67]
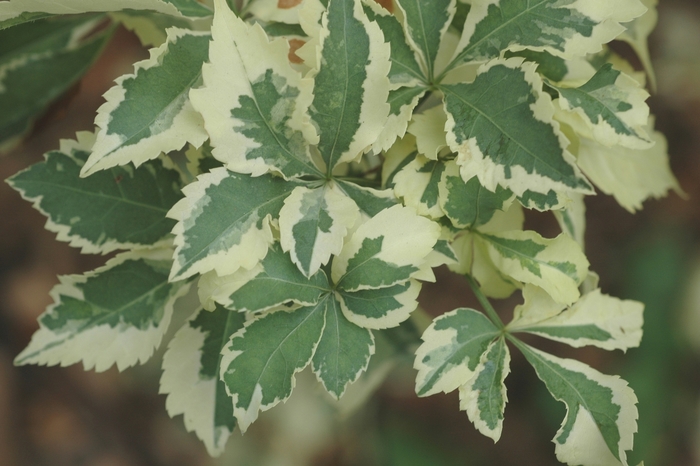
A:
[224,222]
[116,314]
[451,350]
[275,281]
[601,416]
[23,18]
[151,27]
[469,205]
[313,224]
[351,87]
[254,104]
[343,352]
[386,250]
[381,308]
[120,208]
[149,112]
[425,24]
[612,107]
[596,319]
[417,183]
[370,201]
[40,61]
[259,362]
[188,8]
[503,130]
[484,397]
[565,28]
[191,376]
[557,265]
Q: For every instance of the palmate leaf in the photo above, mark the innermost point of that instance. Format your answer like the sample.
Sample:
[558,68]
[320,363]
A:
[313,224]
[566,28]
[116,314]
[612,106]
[503,130]
[388,249]
[187,8]
[418,184]
[351,87]
[191,376]
[120,208]
[149,112]
[557,265]
[601,416]
[402,102]
[596,319]
[254,104]
[380,308]
[224,222]
[39,61]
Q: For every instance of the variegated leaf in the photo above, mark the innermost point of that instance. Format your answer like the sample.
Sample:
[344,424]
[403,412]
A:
[484,396]
[612,106]
[460,17]
[370,201]
[630,175]
[259,362]
[351,87]
[343,352]
[469,205]
[151,27]
[274,282]
[116,314]
[572,219]
[601,416]
[401,154]
[429,129]
[313,223]
[596,319]
[382,308]
[417,183]
[149,112]
[254,104]
[386,250]
[39,61]
[503,130]
[191,376]
[224,222]
[451,351]
[121,208]
[186,8]
[23,18]
[566,28]
[402,102]
[551,200]
[558,265]
[283,11]
[200,160]
[637,33]
[426,24]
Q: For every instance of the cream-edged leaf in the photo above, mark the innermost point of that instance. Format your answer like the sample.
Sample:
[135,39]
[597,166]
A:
[224,222]
[558,265]
[253,103]
[502,128]
[351,87]
[120,208]
[417,184]
[402,102]
[601,416]
[566,28]
[429,129]
[572,218]
[484,396]
[451,351]
[386,250]
[186,8]
[636,34]
[370,201]
[282,11]
[116,314]
[151,27]
[259,362]
[313,224]
[343,352]
[191,376]
[381,308]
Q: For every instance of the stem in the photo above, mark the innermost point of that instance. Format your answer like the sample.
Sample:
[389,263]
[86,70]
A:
[490,311]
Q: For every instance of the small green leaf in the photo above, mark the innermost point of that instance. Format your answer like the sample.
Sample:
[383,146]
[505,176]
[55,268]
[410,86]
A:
[343,352]
[191,376]
[451,351]
[120,208]
[116,314]
[381,308]
[259,362]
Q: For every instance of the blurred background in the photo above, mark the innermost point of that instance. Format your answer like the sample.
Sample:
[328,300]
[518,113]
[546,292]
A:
[68,417]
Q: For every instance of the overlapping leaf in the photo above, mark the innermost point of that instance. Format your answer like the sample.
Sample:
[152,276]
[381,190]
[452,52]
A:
[117,314]
[120,208]
[380,308]
[417,183]
[370,201]
[149,112]
[191,376]
[254,104]
[505,134]
[187,8]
